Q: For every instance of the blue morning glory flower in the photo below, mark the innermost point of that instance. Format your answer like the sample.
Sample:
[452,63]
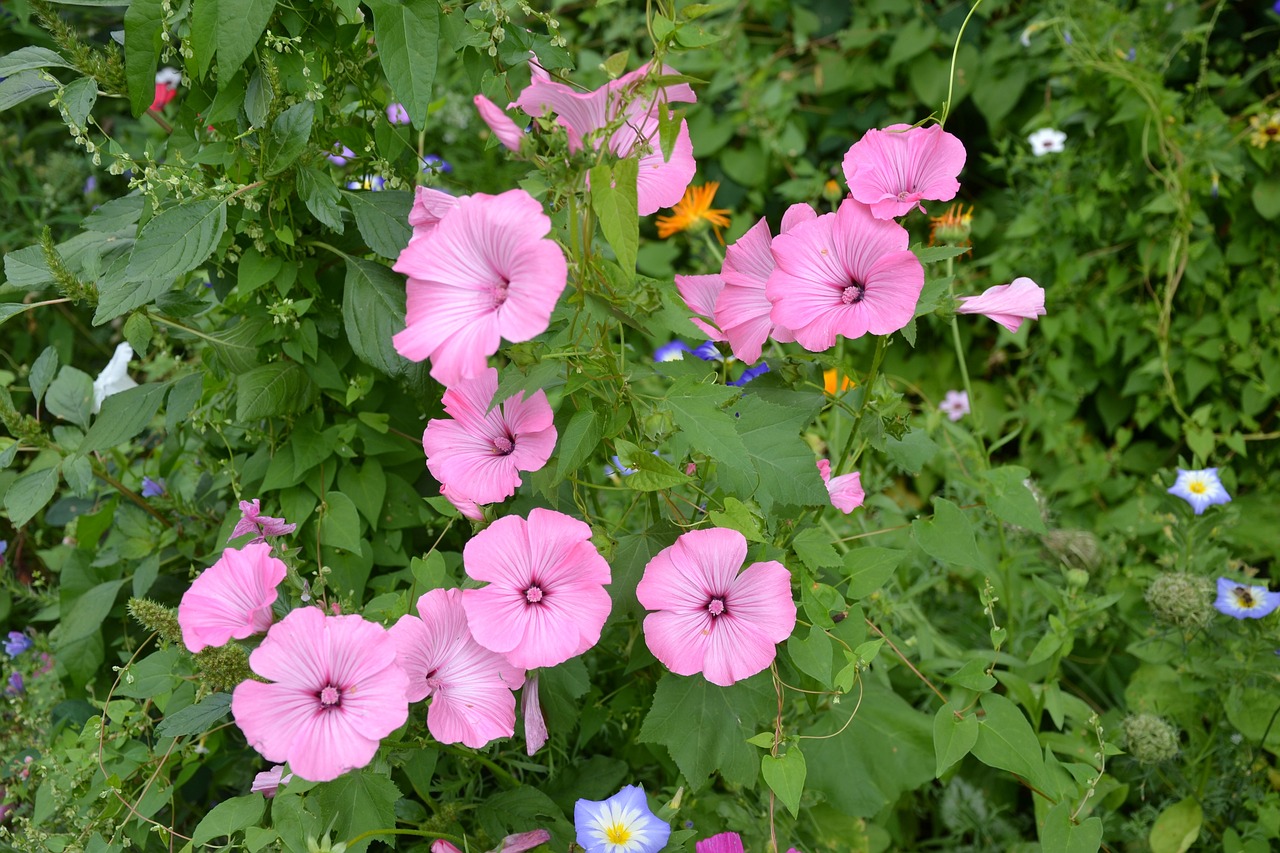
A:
[1241,601]
[673,351]
[432,163]
[1200,488]
[707,351]
[621,824]
[618,468]
[17,643]
[750,373]
[152,488]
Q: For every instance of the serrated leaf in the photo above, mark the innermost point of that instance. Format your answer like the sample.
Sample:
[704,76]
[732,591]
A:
[138,331]
[25,267]
[408,34]
[117,295]
[613,198]
[373,300]
[70,397]
[79,96]
[29,493]
[1006,494]
[203,36]
[229,817]
[26,58]
[123,416]
[288,138]
[177,240]
[382,219]
[240,25]
[696,409]
[237,348]
[42,372]
[143,23]
[321,197]
[948,536]
[22,86]
[868,568]
[953,737]
[279,388]
[785,777]
[737,516]
[784,464]
[357,803]
[195,719]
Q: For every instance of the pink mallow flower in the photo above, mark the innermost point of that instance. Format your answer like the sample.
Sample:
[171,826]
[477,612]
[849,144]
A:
[336,691]
[506,130]
[485,272]
[535,725]
[844,273]
[893,169]
[1007,304]
[955,405]
[253,521]
[480,452]
[725,842]
[710,618]
[845,490]
[429,208]
[231,598]
[268,782]
[700,293]
[470,509]
[742,308]
[470,687]
[545,601]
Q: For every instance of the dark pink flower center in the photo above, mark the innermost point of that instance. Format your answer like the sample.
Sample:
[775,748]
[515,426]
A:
[715,606]
[504,445]
[330,697]
[500,292]
[533,594]
[434,682]
[853,294]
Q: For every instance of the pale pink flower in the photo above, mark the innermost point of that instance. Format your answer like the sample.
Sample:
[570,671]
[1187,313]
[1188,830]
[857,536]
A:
[470,687]
[659,182]
[429,207]
[742,309]
[253,521]
[893,169]
[1007,304]
[463,504]
[268,782]
[523,841]
[845,491]
[535,726]
[336,691]
[700,292]
[545,601]
[955,405]
[486,272]
[710,618]
[480,452]
[397,114]
[442,846]
[231,598]
[844,273]
[507,131]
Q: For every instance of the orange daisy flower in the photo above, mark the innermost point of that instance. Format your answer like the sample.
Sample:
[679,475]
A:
[830,378]
[692,210]
[952,227]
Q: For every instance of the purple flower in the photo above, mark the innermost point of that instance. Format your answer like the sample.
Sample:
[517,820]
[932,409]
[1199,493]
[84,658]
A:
[1241,601]
[432,163]
[673,351]
[16,685]
[17,643]
[341,154]
[4,548]
[1131,55]
[397,114]
[253,521]
[749,374]
[152,488]
[1200,488]
[707,351]
[373,183]
[90,184]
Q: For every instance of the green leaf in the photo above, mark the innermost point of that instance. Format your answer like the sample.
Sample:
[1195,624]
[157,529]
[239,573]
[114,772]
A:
[151,676]
[868,568]
[812,654]
[195,719]
[911,452]
[1060,835]
[373,299]
[237,348]
[143,23]
[366,486]
[613,198]
[738,516]
[118,295]
[1006,741]
[726,717]
[86,614]
[1177,828]
[1266,198]
[203,36]
[948,536]
[229,817]
[42,373]
[138,331]
[30,57]
[1006,493]
[357,803]
[29,493]
[123,416]
[578,443]
[339,522]
[288,137]
[813,547]
[408,33]
[321,196]
[25,267]
[24,85]
[240,25]
[785,777]
[696,409]
[79,96]
[177,240]
[973,676]
[785,467]
[542,376]
[652,474]
[280,388]
[258,98]
[382,219]
[70,397]
[184,394]
[953,737]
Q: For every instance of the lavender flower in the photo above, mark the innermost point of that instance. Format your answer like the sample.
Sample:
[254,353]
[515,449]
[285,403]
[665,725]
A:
[17,643]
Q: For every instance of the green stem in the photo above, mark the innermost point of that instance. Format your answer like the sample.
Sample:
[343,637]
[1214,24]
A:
[882,344]
[951,76]
[964,367]
[493,766]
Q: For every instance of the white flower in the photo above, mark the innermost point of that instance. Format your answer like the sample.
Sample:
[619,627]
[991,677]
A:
[170,77]
[114,378]
[956,405]
[1047,141]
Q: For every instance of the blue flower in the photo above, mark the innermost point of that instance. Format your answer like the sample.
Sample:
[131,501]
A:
[4,549]
[1245,602]
[373,183]
[673,351]
[432,163]
[16,685]
[1200,488]
[621,824]
[152,488]
[707,351]
[17,643]
[750,373]
[618,468]
[90,184]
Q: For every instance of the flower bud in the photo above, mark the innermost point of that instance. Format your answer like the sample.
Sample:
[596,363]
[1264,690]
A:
[1181,599]
[1150,739]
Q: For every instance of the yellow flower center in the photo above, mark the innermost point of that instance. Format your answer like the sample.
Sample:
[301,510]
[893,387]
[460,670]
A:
[617,834]
[1197,488]
[1244,598]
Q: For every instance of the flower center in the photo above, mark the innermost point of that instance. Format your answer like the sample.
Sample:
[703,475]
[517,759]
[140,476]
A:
[330,697]
[715,606]
[617,833]
[500,292]
[853,294]
[504,445]
[1196,487]
[533,594]
[1245,598]
[433,681]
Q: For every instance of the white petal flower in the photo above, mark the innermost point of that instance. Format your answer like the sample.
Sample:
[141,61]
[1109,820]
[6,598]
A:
[1047,141]
[114,378]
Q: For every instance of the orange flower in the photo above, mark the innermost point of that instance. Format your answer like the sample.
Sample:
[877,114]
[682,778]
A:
[829,381]
[692,210]
[952,227]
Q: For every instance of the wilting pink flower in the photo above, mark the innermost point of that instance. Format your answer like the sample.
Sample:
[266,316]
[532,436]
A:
[545,601]
[268,782]
[397,114]
[535,725]
[523,841]
[231,598]
[955,405]
[507,131]
[742,309]
[336,691]
[484,273]
[463,504]
[893,169]
[470,687]
[253,521]
[700,292]
[480,452]
[844,273]
[1007,304]
[429,207]
[845,491]
[710,618]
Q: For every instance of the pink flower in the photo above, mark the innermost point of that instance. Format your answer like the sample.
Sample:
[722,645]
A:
[956,405]
[893,169]
[397,114]
[268,782]
[725,842]
[523,841]
[253,521]
[167,82]
[535,726]
[743,310]
[545,601]
[442,846]
[484,273]
[470,686]
[845,490]
[463,504]
[1007,304]
[231,598]
[507,131]
[700,292]
[710,618]
[479,453]
[429,207]
[844,273]
[336,692]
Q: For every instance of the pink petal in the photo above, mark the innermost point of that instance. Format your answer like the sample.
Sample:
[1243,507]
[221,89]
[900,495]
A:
[232,598]
[725,842]
[500,123]
[660,183]
[429,207]
[846,492]
[699,292]
[893,169]
[535,726]
[1007,304]
[796,214]
[743,309]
